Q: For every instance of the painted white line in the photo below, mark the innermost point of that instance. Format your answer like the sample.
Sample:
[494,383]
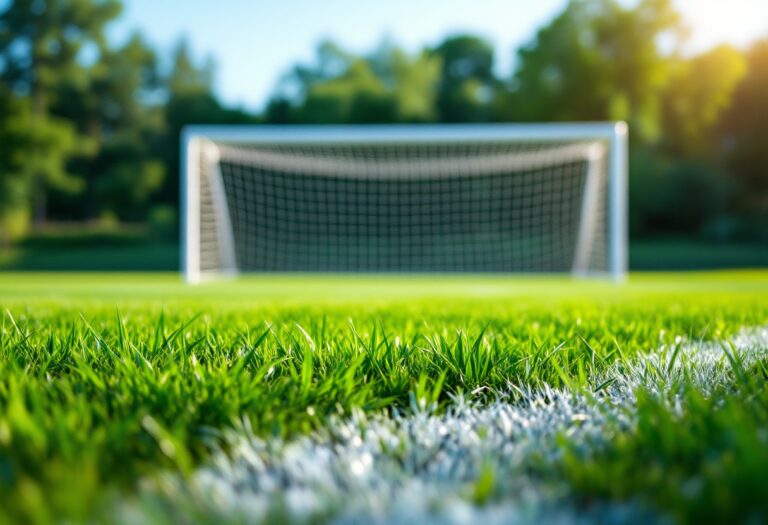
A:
[425,468]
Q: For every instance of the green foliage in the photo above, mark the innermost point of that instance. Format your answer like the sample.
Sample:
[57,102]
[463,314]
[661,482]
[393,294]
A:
[388,86]
[745,129]
[188,99]
[467,80]
[90,128]
[162,222]
[693,195]
[40,46]
[598,60]
[125,185]
[357,95]
[414,79]
[40,43]
[123,169]
[187,77]
[697,95]
[34,150]
[14,113]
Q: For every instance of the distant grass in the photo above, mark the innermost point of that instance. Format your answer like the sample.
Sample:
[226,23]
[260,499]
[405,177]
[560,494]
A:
[361,290]
[130,249]
[152,256]
[107,378]
[691,254]
[92,247]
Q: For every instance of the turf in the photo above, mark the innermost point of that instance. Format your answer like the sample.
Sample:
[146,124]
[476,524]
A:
[109,380]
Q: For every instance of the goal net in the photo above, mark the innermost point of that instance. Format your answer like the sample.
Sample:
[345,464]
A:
[480,198]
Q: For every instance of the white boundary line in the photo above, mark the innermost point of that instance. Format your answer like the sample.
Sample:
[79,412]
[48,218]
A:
[422,467]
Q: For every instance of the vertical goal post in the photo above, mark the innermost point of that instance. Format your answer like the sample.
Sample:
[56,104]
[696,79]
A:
[202,183]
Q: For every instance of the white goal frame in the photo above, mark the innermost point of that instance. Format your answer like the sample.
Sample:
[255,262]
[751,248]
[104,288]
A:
[195,137]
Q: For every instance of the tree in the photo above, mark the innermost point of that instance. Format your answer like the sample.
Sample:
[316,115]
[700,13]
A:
[189,99]
[412,81]
[694,101]
[338,87]
[116,111]
[29,146]
[598,60]
[356,95]
[745,128]
[688,160]
[467,80]
[40,44]
[386,86]
[601,60]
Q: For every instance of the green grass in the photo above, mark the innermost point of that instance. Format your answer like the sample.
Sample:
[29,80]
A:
[687,254]
[93,247]
[704,464]
[147,256]
[124,249]
[110,378]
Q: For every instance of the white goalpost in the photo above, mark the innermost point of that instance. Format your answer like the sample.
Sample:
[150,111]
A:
[508,198]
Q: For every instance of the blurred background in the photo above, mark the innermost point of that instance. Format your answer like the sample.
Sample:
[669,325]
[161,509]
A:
[93,94]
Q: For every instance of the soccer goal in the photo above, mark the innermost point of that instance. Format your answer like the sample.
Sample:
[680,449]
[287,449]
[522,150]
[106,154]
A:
[405,198]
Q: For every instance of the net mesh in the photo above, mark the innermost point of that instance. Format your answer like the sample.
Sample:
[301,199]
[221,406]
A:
[429,207]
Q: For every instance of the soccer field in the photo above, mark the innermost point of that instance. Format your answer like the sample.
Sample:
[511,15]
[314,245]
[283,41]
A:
[133,398]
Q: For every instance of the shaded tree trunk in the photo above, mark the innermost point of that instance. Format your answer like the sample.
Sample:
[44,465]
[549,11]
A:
[40,203]
[39,196]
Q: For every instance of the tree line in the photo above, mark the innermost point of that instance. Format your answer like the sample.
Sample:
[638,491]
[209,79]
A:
[90,129]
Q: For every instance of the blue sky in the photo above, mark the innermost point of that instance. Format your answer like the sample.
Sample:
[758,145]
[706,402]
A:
[255,41]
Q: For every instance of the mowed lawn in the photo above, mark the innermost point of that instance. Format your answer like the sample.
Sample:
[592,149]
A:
[118,390]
